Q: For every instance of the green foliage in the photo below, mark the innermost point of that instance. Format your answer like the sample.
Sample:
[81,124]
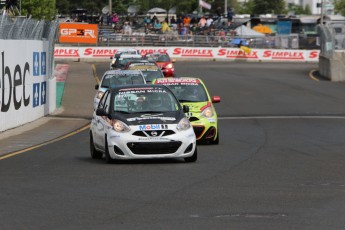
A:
[340,7]
[269,7]
[307,10]
[247,7]
[299,10]
[38,9]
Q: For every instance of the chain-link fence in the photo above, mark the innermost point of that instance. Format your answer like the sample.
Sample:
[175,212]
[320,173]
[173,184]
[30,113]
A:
[326,41]
[23,28]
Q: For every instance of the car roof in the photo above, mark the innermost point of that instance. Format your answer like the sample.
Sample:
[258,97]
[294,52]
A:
[138,63]
[130,56]
[121,71]
[138,87]
[127,51]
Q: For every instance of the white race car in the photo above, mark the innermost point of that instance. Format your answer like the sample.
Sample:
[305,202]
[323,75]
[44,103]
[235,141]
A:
[122,56]
[141,122]
[112,78]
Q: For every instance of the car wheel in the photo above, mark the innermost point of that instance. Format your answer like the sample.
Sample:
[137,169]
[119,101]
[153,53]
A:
[216,141]
[192,158]
[95,154]
[108,159]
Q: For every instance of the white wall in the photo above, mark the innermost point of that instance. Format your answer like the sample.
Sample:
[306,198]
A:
[24,86]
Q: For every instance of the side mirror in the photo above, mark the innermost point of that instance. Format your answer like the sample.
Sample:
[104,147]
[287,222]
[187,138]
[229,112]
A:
[216,99]
[97,86]
[185,108]
[101,112]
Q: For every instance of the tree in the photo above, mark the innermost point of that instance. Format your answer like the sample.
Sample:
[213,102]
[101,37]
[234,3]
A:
[269,7]
[340,7]
[39,9]
[307,10]
[247,7]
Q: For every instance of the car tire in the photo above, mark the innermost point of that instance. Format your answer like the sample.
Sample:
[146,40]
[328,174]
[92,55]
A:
[192,158]
[95,154]
[108,158]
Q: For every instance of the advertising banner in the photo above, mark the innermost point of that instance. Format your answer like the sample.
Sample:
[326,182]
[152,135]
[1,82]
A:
[24,84]
[201,53]
[78,33]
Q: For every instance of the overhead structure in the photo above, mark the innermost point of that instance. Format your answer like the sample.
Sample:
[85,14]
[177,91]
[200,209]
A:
[157,10]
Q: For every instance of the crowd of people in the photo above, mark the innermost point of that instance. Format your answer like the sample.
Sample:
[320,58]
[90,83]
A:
[182,27]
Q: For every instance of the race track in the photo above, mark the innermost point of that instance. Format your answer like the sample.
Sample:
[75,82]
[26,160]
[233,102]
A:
[279,164]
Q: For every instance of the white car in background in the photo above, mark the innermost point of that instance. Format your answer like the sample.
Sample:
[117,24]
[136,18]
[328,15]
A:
[141,122]
[113,78]
[123,54]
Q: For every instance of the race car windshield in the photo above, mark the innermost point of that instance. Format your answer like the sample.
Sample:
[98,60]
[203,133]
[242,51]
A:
[150,75]
[111,80]
[189,93]
[144,101]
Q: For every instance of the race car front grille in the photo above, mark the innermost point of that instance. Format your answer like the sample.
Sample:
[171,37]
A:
[198,130]
[153,133]
[152,148]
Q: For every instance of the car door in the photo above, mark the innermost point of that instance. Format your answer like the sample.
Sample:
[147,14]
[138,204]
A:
[100,121]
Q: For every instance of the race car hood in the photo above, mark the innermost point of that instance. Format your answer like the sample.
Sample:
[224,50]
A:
[150,118]
[196,107]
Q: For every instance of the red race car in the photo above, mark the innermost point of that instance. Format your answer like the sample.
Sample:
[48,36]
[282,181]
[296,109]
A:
[164,61]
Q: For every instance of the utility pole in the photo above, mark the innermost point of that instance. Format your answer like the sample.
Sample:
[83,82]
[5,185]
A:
[322,7]
[110,7]
[225,7]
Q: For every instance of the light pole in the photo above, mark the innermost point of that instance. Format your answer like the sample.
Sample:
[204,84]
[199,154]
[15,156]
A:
[225,7]
[321,19]
[110,7]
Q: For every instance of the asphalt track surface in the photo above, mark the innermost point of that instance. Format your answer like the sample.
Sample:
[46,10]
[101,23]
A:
[279,164]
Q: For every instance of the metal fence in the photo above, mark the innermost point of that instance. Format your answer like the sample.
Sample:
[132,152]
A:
[292,41]
[23,28]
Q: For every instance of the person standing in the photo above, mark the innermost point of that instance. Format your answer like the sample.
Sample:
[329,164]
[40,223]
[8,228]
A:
[114,21]
[230,16]
[219,15]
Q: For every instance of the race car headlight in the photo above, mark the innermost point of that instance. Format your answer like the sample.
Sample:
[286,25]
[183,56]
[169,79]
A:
[99,94]
[184,124]
[169,66]
[120,127]
[208,112]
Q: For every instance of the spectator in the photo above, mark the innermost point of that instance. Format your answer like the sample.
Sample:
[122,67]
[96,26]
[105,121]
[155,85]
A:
[114,20]
[202,22]
[179,20]
[154,18]
[222,35]
[229,16]
[127,30]
[165,27]
[172,20]
[157,26]
[147,23]
[186,20]
[209,21]
[219,15]
[182,31]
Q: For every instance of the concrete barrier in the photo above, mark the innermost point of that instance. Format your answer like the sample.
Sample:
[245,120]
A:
[333,68]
